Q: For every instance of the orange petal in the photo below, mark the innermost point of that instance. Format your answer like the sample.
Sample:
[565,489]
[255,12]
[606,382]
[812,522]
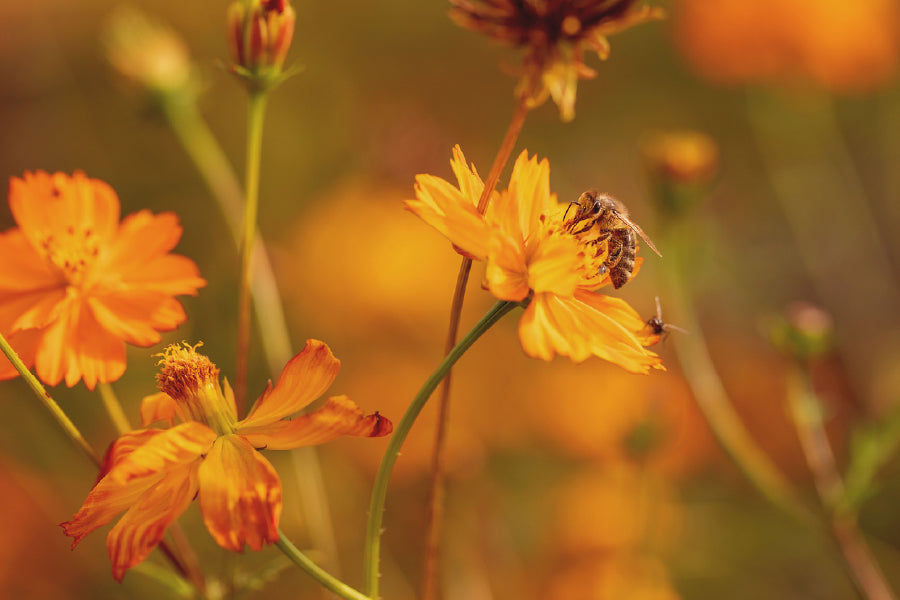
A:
[171,274]
[126,315]
[138,461]
[49,204]
[303,379]
[584,326]
[506,273]
[142,527]
[159,407]
[240,495]
[452,213]
[553,265]
[76,347]
[24,269]
[529,193]
[339,416]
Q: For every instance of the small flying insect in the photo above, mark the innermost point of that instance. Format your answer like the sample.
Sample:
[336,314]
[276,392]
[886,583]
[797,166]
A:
[658,326]
[611,218]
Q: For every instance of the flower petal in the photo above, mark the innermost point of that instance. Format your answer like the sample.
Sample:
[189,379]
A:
[303,379]
[29,271]
[240,495]
[339,416]
[586,325]
[506,274]
[159,407]
[138,461]
[25,343]
[131,315]
[142,527]
[529,193]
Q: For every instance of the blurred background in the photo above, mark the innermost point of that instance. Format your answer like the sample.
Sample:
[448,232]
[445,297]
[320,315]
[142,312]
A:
[565,481]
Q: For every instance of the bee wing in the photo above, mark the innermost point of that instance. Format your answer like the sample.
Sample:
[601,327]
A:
[638,231]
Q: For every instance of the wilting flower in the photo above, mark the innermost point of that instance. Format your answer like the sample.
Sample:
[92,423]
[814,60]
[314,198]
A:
[76,284]
[839,45]
[154,474]
[532,255]
[555,35]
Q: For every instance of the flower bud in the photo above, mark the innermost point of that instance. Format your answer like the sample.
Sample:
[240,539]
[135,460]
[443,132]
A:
[681,166]
[804,332]
[259,37]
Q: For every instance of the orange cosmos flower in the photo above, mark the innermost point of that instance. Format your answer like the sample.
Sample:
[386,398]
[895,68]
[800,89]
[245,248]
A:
[555,35]
[76,284]
[532,255]
[154,474]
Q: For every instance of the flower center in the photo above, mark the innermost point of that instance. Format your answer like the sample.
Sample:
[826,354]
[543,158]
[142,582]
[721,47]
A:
[192,380]
[72,251]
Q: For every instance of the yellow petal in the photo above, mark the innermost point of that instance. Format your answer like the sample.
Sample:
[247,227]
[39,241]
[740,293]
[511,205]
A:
[586,325]
[303,379]
[553,266]
[339,416]
[240,495]
[506,273]
[142,527]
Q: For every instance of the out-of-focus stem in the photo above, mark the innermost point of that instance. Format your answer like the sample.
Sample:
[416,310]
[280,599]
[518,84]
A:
[806,412]
[708,390]
[218,175]
[114,408]
[255,116]
[438,467]
[371,559]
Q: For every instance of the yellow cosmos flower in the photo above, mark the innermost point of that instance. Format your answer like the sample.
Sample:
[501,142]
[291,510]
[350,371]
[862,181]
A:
[531,255]
[154,474]
[555,35]
[76,284]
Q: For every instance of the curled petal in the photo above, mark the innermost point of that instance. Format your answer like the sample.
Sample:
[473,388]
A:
[240,495]
[169,449]
[303,379]
[339,416]
[120,449]
[159,407]
[583,326]
[142,527]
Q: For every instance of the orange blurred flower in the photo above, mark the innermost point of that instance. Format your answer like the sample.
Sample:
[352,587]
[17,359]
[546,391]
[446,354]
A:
[76,284]
[532,256]
[154,474]
[555,35]
[842,46]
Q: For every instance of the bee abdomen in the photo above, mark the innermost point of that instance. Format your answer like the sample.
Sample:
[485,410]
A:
[622,263]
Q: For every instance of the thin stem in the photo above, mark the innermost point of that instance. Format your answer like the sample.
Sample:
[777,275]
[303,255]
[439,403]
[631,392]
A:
[255,116]
[379,490]
[214,167]
[49,403]
[708,390]
[327,580]
[806,413]
[437,489]
[114,408]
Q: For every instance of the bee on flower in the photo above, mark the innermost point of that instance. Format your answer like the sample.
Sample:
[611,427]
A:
[555,35]
[152,475]
[76,284]
[533,256]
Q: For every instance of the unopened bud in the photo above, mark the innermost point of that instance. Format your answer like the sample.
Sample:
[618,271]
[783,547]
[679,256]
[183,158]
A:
[681,165]
[804,332]
[259,37]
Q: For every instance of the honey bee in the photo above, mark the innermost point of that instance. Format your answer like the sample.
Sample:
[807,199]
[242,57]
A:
[615,226]
[658,326]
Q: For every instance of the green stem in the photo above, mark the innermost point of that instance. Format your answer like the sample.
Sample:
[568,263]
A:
[379,491]
[255,115]
[67,425]
[214,167]
[114,408]
[327,580]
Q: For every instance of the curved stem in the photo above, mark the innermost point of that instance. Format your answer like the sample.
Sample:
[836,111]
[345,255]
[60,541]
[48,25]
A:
[806,412]
[327,580]
[379,490]
[438,468]
[255,116]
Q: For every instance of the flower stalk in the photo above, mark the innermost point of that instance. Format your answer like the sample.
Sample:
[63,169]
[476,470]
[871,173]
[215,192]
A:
[328,581]
[255,117]
[437,487]
[371,559]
